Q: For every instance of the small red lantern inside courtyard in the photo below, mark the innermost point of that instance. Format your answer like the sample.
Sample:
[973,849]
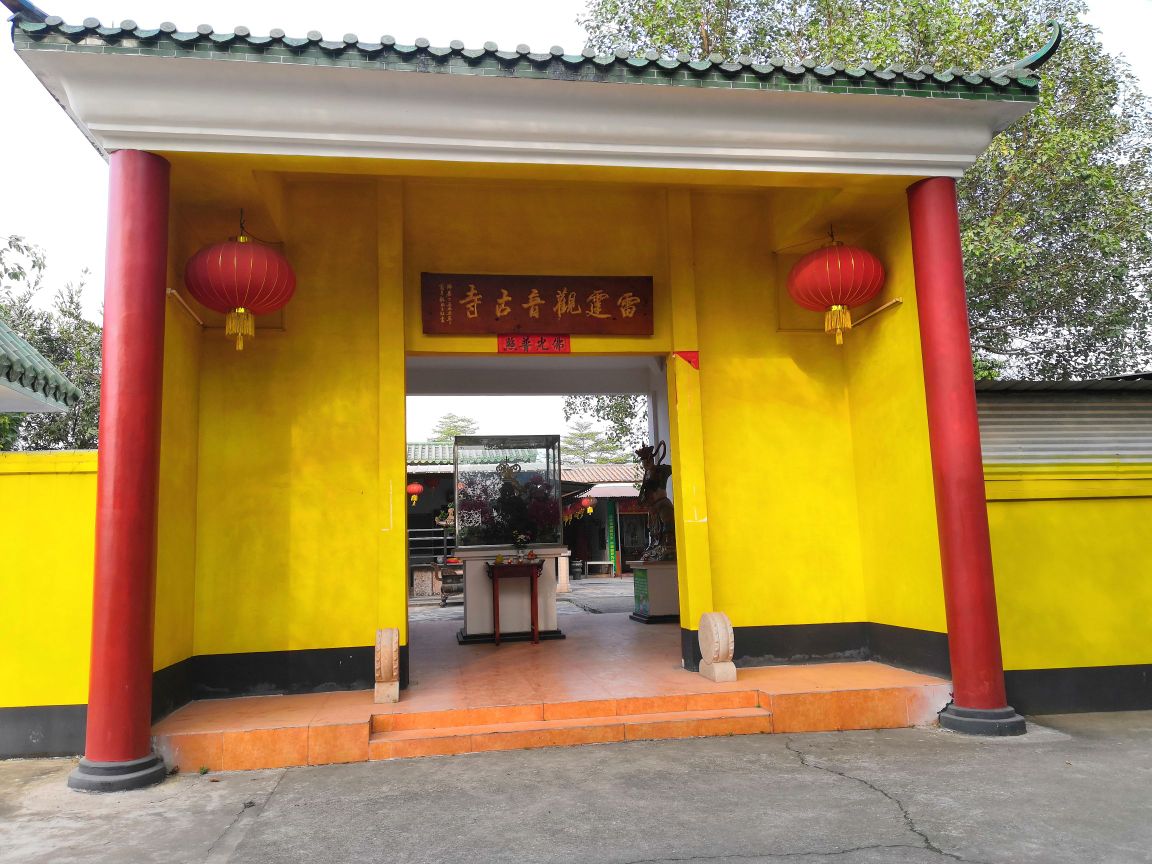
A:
[414,490]
[832,280]
[241,279]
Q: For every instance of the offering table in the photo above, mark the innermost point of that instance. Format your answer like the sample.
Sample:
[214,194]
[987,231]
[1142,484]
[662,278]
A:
[513,602]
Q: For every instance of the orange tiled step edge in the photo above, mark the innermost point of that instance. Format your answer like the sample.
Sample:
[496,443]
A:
[246,735]
[572,723]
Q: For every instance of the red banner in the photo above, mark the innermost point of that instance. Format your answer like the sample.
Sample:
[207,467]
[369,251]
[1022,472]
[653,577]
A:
[533,343]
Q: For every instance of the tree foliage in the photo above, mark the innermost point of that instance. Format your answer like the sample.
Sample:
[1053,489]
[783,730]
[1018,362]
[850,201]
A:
[1056,217]
[66,339]
[625,418]
[451,425]
[585,444]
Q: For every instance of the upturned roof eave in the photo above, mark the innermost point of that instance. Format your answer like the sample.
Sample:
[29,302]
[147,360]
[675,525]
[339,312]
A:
[123,90]
[1015,81]
[31,378]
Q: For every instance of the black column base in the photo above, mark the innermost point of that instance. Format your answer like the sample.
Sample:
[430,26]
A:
[117,776]
[982,721]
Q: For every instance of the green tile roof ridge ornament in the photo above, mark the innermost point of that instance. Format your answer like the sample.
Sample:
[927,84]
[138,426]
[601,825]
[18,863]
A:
[25,370]
[36,30]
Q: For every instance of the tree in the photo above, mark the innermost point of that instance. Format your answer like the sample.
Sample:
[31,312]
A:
[626,417]
[1056,217]
[451,425]
[587,445]
[66,339]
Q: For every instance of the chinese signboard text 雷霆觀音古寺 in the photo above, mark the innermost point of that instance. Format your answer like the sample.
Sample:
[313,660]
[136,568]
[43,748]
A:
[462,304]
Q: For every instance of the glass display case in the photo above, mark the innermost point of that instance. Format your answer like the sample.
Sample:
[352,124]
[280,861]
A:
[508,490]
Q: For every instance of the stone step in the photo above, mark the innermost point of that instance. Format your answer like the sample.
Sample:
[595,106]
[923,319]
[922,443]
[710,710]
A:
[568,731]
[547,711]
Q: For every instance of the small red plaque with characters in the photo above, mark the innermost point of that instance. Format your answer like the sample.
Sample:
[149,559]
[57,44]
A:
[533,343]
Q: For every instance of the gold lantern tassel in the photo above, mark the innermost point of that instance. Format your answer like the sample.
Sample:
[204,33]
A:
[240,323]
[838,318]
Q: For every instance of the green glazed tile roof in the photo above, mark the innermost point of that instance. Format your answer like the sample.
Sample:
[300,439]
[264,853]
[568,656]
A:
[34,30]
[24,369]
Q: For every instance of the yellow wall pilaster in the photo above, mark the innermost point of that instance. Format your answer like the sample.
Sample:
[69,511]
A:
[392,550]
[686,447]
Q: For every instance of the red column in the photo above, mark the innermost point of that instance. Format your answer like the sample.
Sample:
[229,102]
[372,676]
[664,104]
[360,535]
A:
[979,702]
[118,751]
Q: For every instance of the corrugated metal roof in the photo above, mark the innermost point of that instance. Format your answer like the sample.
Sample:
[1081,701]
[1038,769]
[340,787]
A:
[1013,82]
[1051,426]
[26,371]
[1097,384]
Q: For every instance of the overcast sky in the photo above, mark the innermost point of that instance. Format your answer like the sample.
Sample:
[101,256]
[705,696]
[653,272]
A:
[53,188]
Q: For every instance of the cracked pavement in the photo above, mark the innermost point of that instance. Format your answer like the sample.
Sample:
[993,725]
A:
[1078,788]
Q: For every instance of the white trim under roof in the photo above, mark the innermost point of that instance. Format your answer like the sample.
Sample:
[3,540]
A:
[229,106]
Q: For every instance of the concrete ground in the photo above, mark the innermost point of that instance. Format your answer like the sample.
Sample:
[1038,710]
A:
[1078,788]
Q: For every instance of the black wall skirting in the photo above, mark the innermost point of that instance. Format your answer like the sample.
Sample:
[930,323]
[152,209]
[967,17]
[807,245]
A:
[690,649]
[798,643]
[58,730]
[171,688]
[264,673]
[920,650]
[45,730]
[1091,688]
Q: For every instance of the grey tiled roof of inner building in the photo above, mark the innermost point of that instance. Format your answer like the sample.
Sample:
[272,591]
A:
[1015,82]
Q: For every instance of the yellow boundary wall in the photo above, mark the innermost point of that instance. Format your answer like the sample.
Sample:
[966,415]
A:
[1069,543]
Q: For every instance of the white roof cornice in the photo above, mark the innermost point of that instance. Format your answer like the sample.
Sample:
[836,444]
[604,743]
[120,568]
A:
[125,101]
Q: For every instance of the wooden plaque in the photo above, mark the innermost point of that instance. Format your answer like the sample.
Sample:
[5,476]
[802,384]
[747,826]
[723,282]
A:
[463,304]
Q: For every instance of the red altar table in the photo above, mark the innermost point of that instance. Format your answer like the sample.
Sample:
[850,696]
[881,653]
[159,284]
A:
[529,570]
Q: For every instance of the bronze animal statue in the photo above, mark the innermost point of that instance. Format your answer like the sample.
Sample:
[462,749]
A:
[653,495]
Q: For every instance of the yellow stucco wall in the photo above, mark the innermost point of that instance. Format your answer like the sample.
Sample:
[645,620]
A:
[892,460]
[176,516]
[46,576]
[778,452]
[1071,556]
[802,470]
[46,555]
[536,228]
[286,540]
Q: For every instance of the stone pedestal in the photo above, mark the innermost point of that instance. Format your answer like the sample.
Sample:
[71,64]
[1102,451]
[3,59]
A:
[656,592]
[515,596]
[424,582]
[717,644]
[387,665]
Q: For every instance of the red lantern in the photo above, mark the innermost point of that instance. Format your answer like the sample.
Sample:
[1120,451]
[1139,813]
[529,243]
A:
[414,490]
[833,279]
[585,502]
[241,279]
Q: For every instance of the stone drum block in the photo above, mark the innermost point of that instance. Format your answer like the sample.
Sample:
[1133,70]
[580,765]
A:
[717,644]
[387,665]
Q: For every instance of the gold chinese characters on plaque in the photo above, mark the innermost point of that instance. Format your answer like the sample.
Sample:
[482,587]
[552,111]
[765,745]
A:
[464,304]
